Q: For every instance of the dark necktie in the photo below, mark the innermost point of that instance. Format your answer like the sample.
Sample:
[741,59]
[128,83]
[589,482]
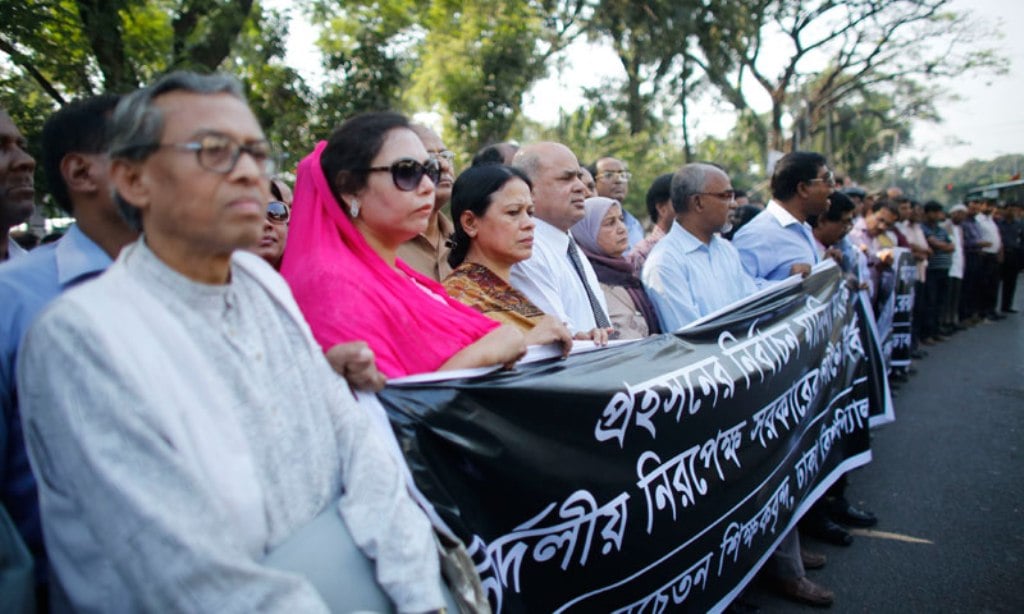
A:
[595,306]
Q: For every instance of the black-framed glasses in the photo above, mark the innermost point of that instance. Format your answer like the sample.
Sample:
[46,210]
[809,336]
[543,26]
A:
[408,173]
[829,180]
[727,195]
[611,175]
[278,212]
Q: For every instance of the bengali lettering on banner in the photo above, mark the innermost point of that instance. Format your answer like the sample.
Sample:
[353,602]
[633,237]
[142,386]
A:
[895,306]
[651,476]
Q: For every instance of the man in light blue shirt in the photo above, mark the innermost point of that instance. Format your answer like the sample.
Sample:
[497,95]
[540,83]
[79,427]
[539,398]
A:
[693,271]
[779,242]
[76,166]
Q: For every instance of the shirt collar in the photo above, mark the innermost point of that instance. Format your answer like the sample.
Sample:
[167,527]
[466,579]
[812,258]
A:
[551,235]
[686,240]
[78,256]
[14,249]
[784,217]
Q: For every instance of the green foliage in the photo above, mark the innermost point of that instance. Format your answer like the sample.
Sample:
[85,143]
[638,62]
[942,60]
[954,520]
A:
[279,97]
[61,50]
[648,38]
[858,130]
[925,182]
[869,43]
[478,60]
[74,48]
[591,133]
[368,55]
[472,61]
[738,156]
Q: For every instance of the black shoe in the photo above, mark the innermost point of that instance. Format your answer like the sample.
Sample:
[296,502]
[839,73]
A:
[827,531]
[852,516]
[1009,311]
[743,605]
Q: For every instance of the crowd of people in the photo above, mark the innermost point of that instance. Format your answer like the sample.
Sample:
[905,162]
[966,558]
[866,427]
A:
[178,371]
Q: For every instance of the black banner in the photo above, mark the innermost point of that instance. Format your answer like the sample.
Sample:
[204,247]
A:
[653,475]
[895,307]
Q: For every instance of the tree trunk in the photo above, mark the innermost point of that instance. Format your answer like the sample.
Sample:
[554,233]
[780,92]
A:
[687,148]
[102,27]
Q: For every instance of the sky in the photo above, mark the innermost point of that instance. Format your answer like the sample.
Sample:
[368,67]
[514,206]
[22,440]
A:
[983,116]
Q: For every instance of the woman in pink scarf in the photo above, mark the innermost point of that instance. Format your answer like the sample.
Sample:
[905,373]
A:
[357,198]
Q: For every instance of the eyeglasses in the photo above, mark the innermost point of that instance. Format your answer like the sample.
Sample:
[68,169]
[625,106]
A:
[726,195]
[829,180]
[278,212]
[610,175]
[443,154]
[219,153]
[407,173]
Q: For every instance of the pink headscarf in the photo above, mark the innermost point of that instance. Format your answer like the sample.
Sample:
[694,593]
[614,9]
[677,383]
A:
[348,293]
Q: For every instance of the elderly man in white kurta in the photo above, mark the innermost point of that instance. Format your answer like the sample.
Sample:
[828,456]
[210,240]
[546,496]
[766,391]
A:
[180,417]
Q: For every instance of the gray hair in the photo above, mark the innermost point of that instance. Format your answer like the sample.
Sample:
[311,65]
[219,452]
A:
[689,181]
[138,124]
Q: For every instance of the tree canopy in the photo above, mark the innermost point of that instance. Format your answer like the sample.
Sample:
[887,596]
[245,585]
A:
[845,78]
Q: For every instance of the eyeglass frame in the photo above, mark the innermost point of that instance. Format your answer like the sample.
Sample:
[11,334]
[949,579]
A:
[829,180]
[612,175]
[728,196]
[267,165]
[443,154]
[432,162]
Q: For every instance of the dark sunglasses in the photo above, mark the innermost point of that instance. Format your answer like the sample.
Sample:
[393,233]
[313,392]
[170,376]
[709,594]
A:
[407,173]
[278,212]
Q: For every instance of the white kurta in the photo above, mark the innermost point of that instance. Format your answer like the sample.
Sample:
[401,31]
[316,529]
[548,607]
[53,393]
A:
[180,431]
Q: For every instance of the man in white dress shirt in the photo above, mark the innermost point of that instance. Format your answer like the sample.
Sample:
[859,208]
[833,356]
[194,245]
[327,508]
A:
[557,282]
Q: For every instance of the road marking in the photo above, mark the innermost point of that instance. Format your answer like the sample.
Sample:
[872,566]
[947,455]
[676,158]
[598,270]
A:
[893,536]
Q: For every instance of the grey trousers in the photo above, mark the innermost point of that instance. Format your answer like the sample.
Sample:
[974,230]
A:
[785,563]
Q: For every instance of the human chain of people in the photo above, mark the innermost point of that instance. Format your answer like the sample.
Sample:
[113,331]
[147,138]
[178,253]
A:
[178,369]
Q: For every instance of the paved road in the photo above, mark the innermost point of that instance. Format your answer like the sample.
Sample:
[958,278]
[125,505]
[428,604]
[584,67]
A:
[947,483]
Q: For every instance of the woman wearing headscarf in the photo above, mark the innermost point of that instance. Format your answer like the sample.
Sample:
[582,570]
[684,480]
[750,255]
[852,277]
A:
[602,236]
[358,197]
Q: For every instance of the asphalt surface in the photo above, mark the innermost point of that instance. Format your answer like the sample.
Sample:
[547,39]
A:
[947,483]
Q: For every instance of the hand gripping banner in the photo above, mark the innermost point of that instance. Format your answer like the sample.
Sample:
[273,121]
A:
[655,475]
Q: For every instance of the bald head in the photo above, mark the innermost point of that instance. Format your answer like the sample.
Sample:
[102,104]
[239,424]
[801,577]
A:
[558,189]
